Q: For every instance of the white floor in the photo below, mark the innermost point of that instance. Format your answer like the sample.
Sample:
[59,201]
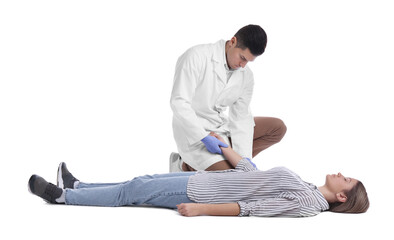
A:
[37,220]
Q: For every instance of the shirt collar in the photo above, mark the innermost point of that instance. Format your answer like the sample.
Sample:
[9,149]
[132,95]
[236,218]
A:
[321,200]
[319,196]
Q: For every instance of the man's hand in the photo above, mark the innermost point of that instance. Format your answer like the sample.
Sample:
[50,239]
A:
[213,144]
[189,209]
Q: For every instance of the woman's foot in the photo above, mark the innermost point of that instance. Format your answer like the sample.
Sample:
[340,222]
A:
[64,178]
[45,190]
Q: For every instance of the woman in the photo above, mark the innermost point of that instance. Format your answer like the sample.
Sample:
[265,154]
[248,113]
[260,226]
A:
[243,191]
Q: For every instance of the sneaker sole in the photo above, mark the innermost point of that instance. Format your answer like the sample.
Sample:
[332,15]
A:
[59,180]
[28,187]
[173,159]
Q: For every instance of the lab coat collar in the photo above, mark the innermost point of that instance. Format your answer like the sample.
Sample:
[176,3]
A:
[219,55]
[219,59]
[225,59]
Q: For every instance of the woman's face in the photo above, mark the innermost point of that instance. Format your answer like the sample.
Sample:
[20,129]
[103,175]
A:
[337,183]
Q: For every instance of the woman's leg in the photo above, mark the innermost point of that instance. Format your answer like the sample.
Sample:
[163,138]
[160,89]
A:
[267,132]
[166,175]
[166,190]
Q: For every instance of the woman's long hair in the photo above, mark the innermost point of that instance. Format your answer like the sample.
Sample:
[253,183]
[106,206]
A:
[357,201]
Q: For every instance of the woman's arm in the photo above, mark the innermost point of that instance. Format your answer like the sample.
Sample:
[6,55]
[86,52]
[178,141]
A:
[229,154]
[198,209]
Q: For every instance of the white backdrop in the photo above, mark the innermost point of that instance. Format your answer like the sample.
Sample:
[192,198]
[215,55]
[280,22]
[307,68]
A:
[89,83]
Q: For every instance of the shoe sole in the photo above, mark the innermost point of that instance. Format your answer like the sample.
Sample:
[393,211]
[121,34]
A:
[173,160]
[28,187]
[59,180]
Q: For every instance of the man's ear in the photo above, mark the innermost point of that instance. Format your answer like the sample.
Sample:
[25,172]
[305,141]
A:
[233,41]
[341,197]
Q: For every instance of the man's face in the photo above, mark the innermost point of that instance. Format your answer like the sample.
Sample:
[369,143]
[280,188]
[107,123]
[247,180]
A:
[236,57]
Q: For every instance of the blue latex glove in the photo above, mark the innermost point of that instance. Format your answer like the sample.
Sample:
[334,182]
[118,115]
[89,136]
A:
[254,165]
[213,144]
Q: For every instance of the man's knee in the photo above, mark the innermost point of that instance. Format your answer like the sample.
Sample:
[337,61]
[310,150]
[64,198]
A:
[269,126]
[281,126]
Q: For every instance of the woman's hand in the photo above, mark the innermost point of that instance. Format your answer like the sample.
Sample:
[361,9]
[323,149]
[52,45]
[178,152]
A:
[190,209]
[217,136]
[197,209]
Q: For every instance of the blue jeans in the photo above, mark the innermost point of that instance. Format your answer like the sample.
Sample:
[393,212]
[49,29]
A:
[161,190]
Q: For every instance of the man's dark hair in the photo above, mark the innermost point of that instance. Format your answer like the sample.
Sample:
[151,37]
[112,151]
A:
[252,37]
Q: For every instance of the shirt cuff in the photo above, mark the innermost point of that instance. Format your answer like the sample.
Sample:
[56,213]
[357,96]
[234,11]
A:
[245,165]
[245,208]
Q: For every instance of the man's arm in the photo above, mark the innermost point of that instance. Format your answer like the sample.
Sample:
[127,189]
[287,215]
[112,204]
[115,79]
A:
[198,209]
[186,77]
[185,82]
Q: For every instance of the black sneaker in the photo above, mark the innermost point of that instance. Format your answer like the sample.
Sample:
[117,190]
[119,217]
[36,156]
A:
[64,178]
[45,190]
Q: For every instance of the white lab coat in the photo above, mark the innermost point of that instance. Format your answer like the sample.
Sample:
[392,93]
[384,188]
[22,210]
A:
[199,99]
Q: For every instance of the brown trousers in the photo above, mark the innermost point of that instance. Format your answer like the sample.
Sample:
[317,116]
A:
[267,132]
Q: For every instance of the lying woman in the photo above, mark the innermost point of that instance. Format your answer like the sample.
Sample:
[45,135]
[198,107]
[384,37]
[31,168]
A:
[243,191]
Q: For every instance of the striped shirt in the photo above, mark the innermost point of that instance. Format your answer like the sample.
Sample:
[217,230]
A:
[277,192]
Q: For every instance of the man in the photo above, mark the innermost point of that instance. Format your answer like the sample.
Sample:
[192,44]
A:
[209,79]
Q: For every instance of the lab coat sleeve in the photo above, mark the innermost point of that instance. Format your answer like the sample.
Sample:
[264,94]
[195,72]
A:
[188,69]
[241,121]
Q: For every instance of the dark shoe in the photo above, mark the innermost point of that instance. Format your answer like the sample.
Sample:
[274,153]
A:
[45,190]
[64,178]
